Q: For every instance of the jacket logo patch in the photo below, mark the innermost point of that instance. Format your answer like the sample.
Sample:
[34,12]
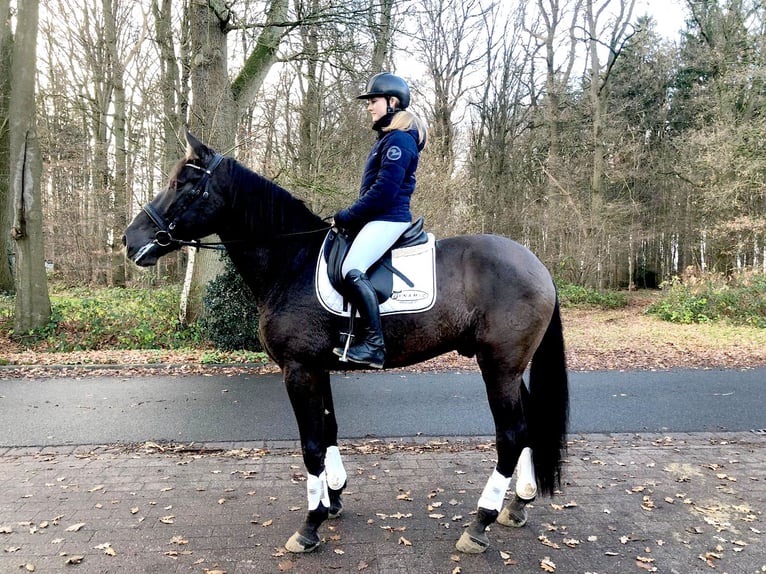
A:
[394,153]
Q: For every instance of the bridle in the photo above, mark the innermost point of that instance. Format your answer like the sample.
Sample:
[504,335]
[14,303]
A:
[201,189]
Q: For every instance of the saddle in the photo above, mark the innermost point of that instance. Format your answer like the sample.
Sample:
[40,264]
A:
[381,273]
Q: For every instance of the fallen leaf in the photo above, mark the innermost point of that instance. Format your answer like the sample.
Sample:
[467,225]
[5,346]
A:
[339,551]
[178,540]
[29,567]
[75,527]
[547,542]
[362,565]
[547,564]
[6,530]
[170,519]
[97,488]
[76,559]
[708,558]
[404,541]
[267,523]
[134,510]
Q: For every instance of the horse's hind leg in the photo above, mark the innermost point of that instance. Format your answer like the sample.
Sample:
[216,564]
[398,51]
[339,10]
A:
[515,514]
[505,391]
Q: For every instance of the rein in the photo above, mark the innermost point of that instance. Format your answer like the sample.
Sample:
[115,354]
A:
[221,245]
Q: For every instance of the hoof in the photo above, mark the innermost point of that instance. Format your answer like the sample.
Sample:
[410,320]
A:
[472,544]
[299,544]
[516,517]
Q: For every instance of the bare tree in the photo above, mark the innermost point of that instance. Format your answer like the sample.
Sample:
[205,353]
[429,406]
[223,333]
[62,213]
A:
[559,40]
[612,36]
[501,115]
[33,307]
[446,43]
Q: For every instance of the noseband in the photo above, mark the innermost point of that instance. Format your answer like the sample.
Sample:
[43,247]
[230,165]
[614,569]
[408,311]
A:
[163,237]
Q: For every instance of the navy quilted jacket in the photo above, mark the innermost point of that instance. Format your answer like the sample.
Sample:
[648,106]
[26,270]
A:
[388,180]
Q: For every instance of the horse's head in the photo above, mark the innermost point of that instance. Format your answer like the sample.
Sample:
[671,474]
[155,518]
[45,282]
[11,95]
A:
[188,209]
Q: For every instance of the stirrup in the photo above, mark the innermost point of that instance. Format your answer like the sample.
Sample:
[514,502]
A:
[342,352]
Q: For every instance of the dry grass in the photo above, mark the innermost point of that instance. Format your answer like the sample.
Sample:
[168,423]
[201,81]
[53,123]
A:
[629,339]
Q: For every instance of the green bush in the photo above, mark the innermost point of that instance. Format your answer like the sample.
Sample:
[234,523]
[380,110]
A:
[577,296]
[739,299]
[230,320]
[84,319]
[117,318]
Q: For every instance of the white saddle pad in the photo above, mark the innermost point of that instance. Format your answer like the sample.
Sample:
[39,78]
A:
[417,263]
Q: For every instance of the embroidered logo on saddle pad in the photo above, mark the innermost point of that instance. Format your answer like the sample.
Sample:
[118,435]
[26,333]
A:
[416,263]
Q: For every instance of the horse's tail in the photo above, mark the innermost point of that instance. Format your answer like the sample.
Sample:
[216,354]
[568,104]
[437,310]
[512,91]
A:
[548,412]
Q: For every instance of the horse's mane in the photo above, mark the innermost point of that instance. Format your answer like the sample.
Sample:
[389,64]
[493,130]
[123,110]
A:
[269,209]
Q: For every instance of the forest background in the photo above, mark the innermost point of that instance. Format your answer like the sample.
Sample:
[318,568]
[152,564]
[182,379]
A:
[621,157]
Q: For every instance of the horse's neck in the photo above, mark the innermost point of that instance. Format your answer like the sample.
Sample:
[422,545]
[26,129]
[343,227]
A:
[281,235]
[271,270]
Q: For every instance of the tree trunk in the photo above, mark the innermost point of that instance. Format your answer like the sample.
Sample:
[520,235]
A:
[381,26]
[6,247]
[216,108]
[119,216]
[174,96]
[33,308]
[212,117]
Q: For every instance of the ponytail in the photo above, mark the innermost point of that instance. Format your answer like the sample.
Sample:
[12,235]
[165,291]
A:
[405,120]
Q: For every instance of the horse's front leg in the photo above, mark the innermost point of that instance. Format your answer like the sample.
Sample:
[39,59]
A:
[304,387]
[308,391]
[334,469]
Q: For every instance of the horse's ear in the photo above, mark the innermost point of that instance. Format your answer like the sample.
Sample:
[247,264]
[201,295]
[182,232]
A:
[195,148]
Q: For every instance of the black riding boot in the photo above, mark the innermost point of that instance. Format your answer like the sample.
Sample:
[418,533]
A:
[371,351]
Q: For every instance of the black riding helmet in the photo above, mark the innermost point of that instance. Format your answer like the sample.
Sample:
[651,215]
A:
[387,84]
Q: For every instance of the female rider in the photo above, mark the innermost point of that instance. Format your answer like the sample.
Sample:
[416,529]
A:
[382,211]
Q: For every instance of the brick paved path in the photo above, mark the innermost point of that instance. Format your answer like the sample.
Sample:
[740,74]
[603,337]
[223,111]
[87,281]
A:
[630,503]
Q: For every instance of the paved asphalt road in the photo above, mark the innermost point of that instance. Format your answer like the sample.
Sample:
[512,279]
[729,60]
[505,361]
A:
[255,408]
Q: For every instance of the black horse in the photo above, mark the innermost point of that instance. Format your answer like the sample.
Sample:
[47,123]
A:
[496,301]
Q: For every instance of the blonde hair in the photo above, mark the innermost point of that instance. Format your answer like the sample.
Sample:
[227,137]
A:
[405,120]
